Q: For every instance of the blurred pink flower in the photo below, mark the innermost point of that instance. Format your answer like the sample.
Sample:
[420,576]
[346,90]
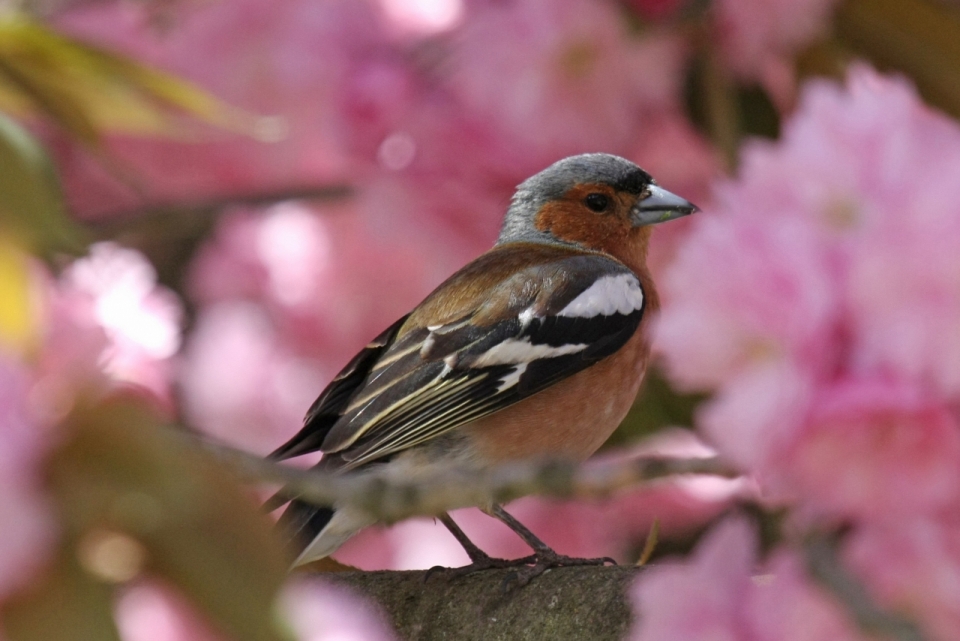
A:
[855,160]
[835,249]
[287,64]
[698,599]
[27,530]
[109,318]
[558,78]
[152,611]
[104,322]
[719,595]
[330,279]
[308,610]
[242,382]
[874,449]
[754,415]
[753,34]
[287,298]
[316,611]
[656,9]
[912,566]
[423,17]
[785,605]
[759,334]
[775,300]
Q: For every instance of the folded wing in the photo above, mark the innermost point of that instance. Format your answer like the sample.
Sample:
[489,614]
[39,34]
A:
[508,340]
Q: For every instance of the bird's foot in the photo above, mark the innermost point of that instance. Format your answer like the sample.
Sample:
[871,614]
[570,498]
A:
[479,562]
[546,559]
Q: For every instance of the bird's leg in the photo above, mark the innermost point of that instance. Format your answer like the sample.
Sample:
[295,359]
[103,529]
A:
[544,557]
[475,553]
[480,560]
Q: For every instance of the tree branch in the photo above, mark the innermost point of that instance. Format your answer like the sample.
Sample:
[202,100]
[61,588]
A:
[564,604]
[149,215]
[391,499]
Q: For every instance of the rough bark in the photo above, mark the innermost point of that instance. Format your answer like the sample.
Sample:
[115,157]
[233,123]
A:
[578,603]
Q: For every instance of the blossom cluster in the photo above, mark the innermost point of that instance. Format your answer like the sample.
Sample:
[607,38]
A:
[819,300]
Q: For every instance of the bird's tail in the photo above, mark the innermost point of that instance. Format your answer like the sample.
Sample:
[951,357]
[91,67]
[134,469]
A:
[301,524]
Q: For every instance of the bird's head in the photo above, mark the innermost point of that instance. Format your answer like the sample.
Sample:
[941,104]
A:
[592,201]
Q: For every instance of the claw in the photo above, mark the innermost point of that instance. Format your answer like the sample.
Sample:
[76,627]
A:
[508,579]
[548,559]
[435,569]
[480,563]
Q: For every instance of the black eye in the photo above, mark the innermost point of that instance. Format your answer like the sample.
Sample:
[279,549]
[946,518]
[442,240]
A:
[597,202]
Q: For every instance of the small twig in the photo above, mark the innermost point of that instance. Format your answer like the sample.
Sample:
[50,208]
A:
[825,567]
[651,543]
[391,499]
[721,108]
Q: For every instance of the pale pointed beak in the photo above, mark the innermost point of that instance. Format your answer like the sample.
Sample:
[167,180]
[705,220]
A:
[660,206]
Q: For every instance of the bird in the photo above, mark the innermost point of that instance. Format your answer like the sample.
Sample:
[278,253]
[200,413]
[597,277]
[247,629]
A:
[535,349]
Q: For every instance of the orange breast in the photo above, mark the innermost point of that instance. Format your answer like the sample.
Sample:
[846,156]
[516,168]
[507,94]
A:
[571,419]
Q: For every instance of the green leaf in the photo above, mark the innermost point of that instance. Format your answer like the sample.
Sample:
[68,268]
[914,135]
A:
[88,90]
[123,474]
[31,204]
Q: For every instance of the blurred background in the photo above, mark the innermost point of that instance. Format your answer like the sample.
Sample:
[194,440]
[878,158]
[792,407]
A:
[208,206]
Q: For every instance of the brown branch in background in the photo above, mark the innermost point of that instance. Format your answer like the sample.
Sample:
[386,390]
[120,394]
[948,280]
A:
[170,233]
[721,110]
[391,499]
[824,566]
[109,224]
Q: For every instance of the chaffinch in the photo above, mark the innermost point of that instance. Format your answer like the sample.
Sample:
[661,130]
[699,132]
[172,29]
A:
[536,348]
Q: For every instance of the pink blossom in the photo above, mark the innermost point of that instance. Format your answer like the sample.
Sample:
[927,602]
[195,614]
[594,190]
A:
[284,64]
[852,160]
[558,77]
[242,382]
[289,296]
[719,595]
[774,301]
[755,414]
[656,9]
[833,250]
[152,611]
[308,610]
[912,566]
[110,319]
[755,33]
[698,599]
[760,333]
[423,17]
[27,530]
[330,279]
[785,605]
[875,449]
[904,288]
[316,611]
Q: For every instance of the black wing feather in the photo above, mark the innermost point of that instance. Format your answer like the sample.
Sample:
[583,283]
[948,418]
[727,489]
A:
[329,406]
